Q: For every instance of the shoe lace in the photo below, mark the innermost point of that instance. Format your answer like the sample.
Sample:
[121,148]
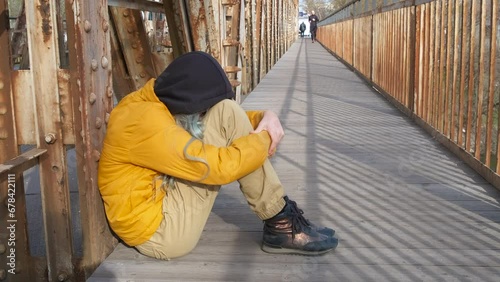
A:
[299,222]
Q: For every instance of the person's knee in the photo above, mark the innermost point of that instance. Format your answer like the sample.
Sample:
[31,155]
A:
[229,111]
[227,104]
[225,122]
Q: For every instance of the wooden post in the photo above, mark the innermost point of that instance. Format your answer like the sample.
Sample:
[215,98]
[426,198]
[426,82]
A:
[412,59]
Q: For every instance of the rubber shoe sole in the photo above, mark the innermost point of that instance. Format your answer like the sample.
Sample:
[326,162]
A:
[285,251]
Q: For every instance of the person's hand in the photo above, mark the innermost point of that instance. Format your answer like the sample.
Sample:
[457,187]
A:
[271,123]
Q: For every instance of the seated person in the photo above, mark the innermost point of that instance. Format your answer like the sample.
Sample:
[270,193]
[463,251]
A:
[170,146]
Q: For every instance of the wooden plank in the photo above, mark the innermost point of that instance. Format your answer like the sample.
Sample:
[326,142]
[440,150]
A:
[466,16]
[481,78]
[472,77]
[216,247]
[306,270]
[434,62]
[490,91]
[442,63]
[42,39]
[419,66]
[426,73]
[455,113]
[91,86]
[403,56]
[448,77]
[363,187]
[494,71]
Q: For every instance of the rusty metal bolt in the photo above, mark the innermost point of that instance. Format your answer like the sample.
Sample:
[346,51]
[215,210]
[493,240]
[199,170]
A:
[110,93]
[105,26]
[130,30]
[2,249]
[87,26]
[3,274]
[98,123]
[143,75]
[94,65]
[106,119]
[97,155]
[125,13]
[50,138]
[104,62]
[1,85]
[3,134]
[3,108]
[62,276]
[138,60]
[92,98]
[134,45]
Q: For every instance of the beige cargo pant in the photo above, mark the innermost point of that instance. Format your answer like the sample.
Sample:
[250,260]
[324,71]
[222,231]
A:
[186,207]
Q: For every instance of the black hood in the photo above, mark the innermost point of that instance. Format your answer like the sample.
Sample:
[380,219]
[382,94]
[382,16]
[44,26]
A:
[193,83]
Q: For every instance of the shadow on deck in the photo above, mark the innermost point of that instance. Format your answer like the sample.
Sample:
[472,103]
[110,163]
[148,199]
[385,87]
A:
[404,208]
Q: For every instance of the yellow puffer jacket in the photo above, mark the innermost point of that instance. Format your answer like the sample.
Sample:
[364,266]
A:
[142,142]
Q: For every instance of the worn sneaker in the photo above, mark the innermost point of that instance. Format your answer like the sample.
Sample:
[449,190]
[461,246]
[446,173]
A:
[290,233]
[320,229]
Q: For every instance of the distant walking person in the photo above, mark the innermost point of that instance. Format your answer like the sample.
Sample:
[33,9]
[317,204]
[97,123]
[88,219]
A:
[313,25]
[302,28]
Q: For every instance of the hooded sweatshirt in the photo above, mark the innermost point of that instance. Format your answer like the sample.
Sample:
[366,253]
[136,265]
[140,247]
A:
[143,141]
[193,83]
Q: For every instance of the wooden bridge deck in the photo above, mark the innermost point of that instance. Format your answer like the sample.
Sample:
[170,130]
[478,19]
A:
[405,208]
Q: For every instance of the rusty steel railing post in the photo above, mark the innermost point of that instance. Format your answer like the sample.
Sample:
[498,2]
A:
[14,266]
[44,60]
[92,90]
[179,30]
[131,36]
[203,27]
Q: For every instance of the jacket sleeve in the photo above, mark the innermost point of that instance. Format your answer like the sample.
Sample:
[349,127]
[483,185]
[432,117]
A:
[163,151]
[255,117]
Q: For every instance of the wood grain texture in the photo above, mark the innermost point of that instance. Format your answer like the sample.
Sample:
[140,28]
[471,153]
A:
[404,208]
